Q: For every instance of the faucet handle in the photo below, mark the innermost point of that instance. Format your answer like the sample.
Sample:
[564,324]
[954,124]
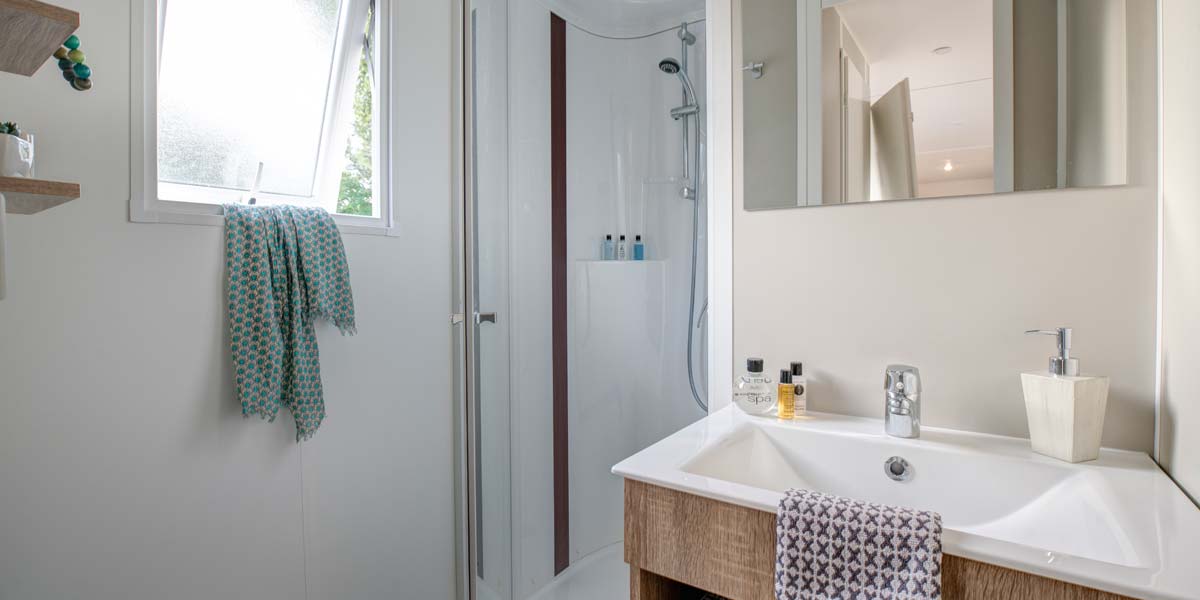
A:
[904,380]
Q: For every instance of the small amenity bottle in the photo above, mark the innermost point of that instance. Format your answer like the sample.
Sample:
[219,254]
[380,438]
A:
[639,249]
[801,388]
[621,255]
[752,391]
[787,396]
[607,251]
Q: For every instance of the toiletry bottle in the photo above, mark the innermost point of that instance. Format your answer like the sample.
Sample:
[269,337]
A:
[639,249]
[752,390]
[801,390]
[621,255]
[607,251]
[787,396]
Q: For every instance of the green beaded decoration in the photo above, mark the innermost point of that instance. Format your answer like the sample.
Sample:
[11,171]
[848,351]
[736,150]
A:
[71,62]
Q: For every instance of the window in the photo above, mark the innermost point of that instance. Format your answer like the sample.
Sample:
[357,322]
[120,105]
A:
[279,100]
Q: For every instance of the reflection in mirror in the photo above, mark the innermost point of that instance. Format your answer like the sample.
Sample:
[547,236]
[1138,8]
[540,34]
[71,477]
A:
[849,101]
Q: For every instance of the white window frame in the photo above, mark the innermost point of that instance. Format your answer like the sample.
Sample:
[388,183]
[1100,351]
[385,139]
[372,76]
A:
[145,203]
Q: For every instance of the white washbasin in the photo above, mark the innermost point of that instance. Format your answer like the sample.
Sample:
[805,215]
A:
[1117,524]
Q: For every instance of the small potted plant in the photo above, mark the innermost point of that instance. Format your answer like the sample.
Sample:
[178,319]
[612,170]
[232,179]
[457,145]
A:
[16,151]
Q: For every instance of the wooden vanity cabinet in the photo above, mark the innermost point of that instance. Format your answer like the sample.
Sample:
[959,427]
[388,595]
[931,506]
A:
[682,546]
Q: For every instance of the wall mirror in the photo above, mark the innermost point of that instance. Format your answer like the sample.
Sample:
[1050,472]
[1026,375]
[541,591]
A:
[846,101]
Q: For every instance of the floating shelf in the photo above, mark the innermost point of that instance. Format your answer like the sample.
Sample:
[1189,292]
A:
[30,32]
[29,196]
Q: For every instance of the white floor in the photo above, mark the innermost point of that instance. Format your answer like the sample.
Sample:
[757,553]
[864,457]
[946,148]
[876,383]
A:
[483,592]
[602,575]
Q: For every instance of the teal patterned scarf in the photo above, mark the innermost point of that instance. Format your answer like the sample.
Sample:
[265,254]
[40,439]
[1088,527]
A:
[287,268]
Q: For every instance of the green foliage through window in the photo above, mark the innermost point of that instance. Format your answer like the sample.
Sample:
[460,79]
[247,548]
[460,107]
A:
[354,196]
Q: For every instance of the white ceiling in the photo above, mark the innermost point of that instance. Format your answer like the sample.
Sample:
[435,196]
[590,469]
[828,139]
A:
[955,116]
[951,93]
[969,163]
[898,38]
[626,18]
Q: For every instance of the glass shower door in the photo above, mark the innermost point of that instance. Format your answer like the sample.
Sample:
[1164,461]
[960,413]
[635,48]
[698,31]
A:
[487,317]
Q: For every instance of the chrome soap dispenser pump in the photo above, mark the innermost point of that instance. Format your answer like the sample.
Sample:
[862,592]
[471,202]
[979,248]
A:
[1062,364]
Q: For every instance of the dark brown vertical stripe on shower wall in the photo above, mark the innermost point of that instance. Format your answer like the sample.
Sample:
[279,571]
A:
[558,270]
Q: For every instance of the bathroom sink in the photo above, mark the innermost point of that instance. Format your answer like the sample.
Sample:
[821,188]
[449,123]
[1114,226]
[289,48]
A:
[1117,523]
[1058,508]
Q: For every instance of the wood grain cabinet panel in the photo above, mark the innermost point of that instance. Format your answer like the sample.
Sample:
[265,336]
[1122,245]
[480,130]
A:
[678,544]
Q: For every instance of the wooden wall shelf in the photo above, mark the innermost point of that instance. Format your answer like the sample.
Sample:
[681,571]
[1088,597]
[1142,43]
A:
[29,196]
[30,32]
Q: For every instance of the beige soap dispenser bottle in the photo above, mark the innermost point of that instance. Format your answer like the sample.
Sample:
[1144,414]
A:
[1065,409]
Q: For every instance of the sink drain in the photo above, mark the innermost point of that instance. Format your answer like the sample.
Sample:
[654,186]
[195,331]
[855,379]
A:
[897,469]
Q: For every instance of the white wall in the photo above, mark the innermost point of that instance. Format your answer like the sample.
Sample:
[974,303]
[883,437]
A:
[532,343]
[1096,92]
[950,285]
[126,470]
[1034,94]
[770,114]
[956,187]
[1179,445]
[623,151]
[628,358]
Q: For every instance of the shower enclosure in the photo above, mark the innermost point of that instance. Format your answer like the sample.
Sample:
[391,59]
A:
[583,119]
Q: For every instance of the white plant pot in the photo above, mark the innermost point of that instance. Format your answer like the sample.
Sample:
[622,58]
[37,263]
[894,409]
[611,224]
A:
[16,156]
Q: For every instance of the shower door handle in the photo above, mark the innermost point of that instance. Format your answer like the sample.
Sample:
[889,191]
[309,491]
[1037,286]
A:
[485,317]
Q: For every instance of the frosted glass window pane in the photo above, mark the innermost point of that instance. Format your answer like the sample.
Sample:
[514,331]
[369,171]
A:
[244,81]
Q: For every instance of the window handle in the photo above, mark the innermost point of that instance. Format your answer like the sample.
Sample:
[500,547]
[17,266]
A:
[485,317]
[252,199]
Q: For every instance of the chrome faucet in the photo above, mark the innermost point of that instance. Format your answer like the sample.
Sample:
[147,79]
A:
[902,415]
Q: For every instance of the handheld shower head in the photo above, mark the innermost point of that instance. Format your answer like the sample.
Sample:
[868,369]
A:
[671,66]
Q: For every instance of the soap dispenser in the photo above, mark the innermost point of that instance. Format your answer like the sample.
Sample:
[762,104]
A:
[1065,409]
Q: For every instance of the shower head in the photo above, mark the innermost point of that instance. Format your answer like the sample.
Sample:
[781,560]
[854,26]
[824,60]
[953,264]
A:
[671,66]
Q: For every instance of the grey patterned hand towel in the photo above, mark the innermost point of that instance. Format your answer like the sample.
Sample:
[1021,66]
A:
[829,547]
